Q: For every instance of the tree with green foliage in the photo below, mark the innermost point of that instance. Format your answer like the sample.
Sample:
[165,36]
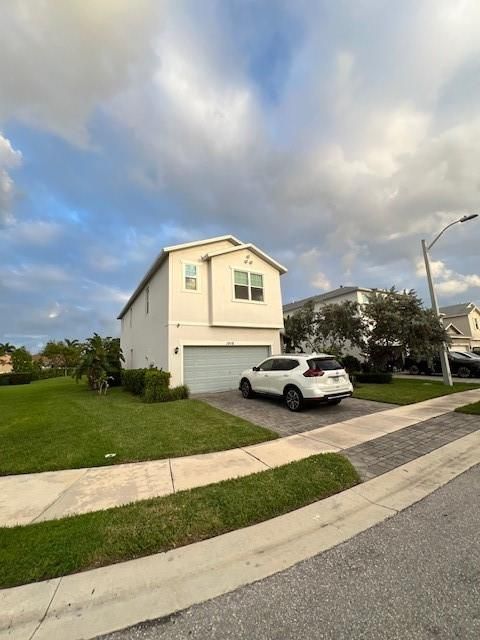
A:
[6,348]
[399,326]
[22,360]
[63,354]
[300,328]
[100,358]
[338,326]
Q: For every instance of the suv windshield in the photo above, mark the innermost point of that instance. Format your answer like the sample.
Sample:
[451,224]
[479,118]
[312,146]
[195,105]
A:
[323,364]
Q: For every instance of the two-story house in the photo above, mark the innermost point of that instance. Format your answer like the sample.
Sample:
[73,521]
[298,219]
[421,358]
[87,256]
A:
[337,296]
[205,311]
[462,322]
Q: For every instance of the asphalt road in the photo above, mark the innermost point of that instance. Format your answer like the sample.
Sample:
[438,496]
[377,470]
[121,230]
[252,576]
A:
[416,576]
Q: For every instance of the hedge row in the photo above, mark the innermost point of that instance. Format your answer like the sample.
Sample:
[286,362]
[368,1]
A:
[45,374]
[152,385]
[15,378]
[373,377]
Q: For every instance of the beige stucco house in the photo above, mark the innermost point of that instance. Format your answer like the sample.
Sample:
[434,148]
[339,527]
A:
[337,296]
[6,363]
[462,322]
[205,311]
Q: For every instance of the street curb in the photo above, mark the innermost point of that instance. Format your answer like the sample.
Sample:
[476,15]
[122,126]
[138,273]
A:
[96,602]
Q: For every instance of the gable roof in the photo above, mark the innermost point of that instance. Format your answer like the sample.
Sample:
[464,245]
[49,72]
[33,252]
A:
[160,259]
[458,309]
[454,328]
[323,297]
[250,247]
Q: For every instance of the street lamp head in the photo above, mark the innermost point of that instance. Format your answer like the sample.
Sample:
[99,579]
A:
[470,217]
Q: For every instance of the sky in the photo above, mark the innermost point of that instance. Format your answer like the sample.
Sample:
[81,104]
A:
[334,135]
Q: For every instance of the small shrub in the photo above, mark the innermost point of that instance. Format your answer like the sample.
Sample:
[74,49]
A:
[15,378]
[159,394]
[373,377]
[156,385]
[351,363]
[133,380]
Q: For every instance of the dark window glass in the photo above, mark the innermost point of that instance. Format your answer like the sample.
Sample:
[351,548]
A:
[324,364]
[267,365]
[285,364]
[241,292]
[257,294]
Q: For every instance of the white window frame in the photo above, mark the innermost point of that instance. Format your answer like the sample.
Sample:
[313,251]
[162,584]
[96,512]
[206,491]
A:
[195,264]
[249,273]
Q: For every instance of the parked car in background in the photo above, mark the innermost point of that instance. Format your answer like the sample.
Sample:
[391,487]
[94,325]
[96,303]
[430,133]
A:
[462,364]
[298,378]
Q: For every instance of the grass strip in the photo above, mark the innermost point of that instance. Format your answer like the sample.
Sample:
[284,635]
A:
[473,409]
[57,424]
[403,391]
[60,547]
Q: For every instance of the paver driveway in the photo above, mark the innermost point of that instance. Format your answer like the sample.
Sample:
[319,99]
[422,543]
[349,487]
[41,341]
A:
[272,413]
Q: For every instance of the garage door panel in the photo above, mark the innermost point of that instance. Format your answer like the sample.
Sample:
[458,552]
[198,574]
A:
[218,368]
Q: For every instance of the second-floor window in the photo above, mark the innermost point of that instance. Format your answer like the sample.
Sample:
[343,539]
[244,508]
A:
[248,286]
[190,277]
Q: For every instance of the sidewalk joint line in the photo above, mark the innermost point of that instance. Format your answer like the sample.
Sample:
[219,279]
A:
[251,454]
[376,504]
[171,474]
[47,609]
[60,495]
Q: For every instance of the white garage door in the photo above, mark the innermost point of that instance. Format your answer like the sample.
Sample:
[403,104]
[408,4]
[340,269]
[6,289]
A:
[218,368]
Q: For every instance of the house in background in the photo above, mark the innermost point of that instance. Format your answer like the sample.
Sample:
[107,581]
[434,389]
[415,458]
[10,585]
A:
[205,311]
[337,296]
[6,363]
[462,322]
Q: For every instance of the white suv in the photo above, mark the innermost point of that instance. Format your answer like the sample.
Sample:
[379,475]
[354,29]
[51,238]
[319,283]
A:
[298,377]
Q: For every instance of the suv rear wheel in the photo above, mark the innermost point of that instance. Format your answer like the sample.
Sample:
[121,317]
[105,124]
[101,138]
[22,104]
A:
[463,372]
[293,399]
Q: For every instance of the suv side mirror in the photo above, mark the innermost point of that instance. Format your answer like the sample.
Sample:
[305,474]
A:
[255,369]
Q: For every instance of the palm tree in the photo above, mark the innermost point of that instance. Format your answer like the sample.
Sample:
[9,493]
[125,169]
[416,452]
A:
[101,358]
[6,348]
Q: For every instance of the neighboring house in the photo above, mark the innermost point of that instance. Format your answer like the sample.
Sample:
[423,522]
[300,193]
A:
[205,311]
[462,322]
[337,296]
[6,363]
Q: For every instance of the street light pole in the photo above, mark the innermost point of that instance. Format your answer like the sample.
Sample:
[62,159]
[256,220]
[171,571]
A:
[447,374]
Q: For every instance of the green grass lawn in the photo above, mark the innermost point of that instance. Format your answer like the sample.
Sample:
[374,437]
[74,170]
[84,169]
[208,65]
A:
[51,549]
[404,391]
[473,409]
[58,424]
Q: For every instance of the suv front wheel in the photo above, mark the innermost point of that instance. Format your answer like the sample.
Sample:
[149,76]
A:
[246,388]
[293,399]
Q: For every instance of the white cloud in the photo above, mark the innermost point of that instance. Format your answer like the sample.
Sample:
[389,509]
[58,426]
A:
[320,281]
[61,59]
[447,282]
[9,159]
[37,233]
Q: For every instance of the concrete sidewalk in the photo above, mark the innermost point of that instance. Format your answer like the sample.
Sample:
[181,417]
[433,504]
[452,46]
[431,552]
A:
[45,496]
[87,604]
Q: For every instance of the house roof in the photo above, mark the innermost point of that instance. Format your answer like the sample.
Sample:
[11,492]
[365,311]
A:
[162,256]
[250,247]
[160,259]
[454,328]
[457,309]
[323,297]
